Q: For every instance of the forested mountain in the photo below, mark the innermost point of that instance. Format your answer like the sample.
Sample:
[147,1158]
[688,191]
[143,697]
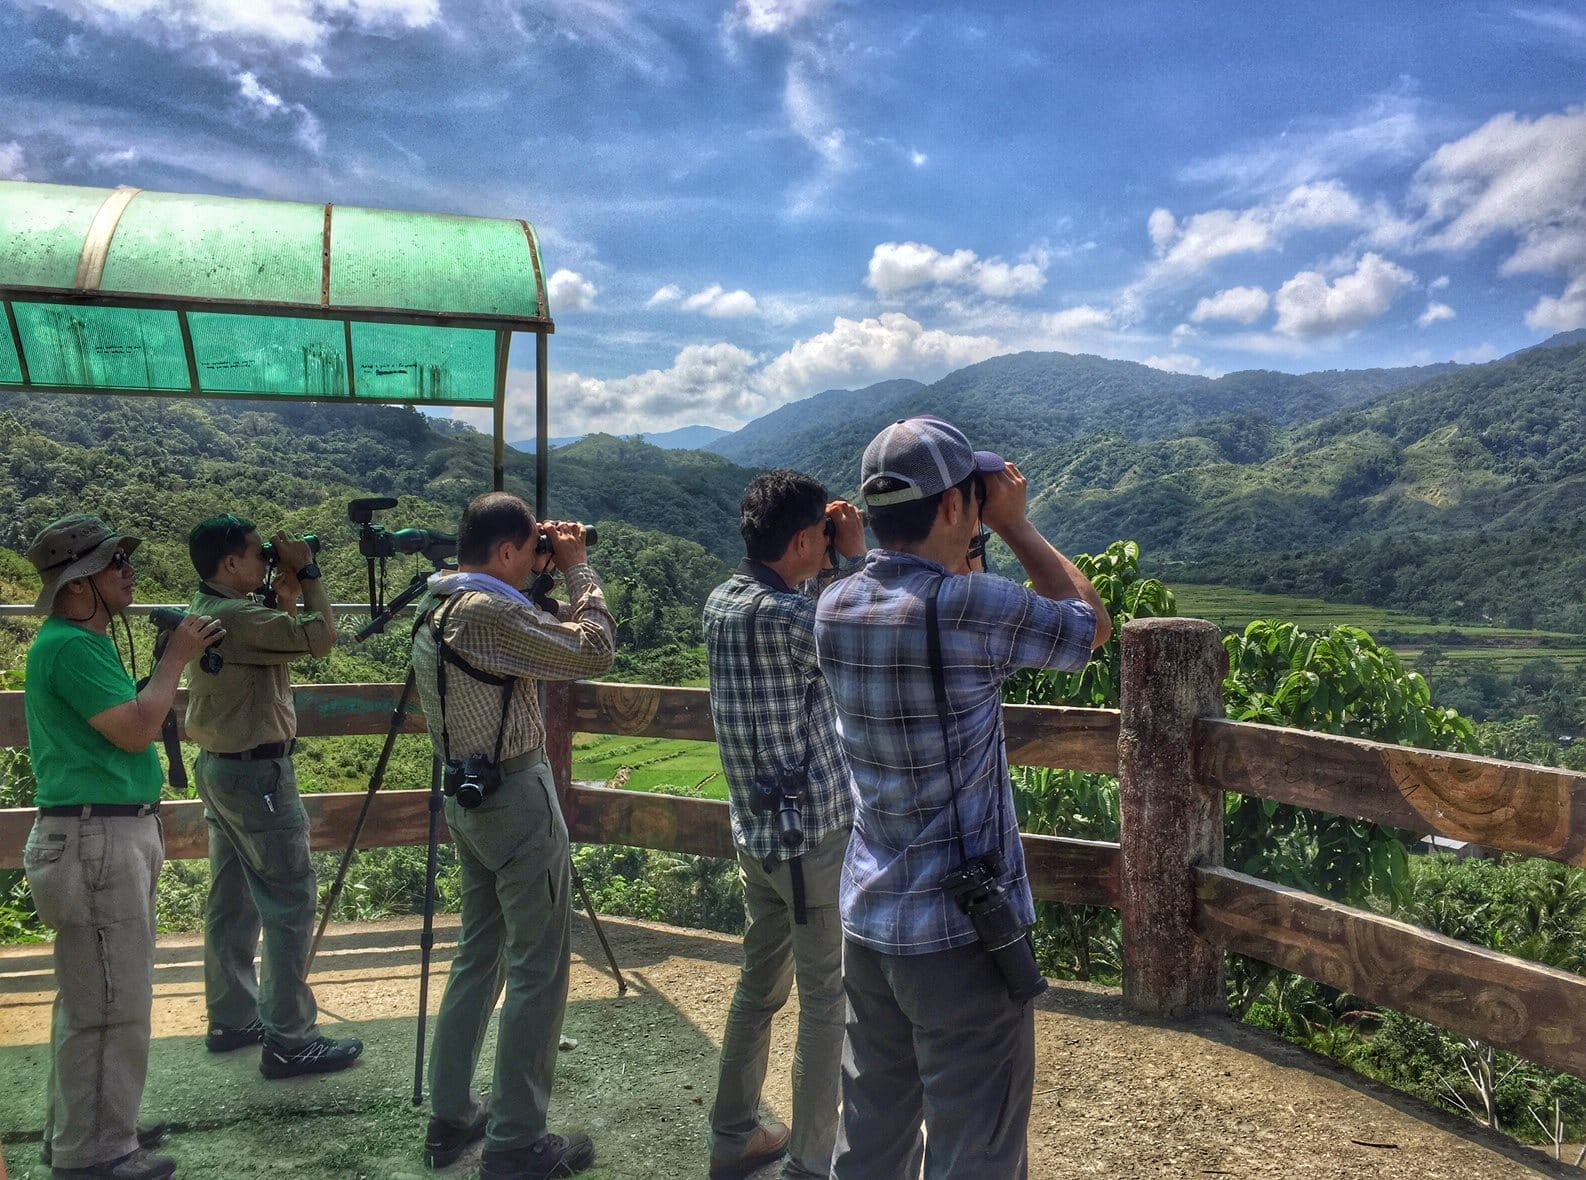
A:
[1025,402]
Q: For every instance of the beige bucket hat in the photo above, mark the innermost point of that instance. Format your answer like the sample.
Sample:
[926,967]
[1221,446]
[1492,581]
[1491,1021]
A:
[73,547]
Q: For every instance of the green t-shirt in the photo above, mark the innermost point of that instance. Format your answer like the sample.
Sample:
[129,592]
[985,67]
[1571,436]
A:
[73,675]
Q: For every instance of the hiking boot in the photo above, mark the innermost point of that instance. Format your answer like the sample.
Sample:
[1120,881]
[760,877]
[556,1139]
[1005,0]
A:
[769,1142]
[149,1135]
[223,1040]
[321,1055]
[138,1165]
[444,1143]
[549,1156]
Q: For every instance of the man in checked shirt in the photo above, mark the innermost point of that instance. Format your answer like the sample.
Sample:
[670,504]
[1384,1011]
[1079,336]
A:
[773,718]
[480,649]
[933,1035]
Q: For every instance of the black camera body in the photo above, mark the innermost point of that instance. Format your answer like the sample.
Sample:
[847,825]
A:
[974,887]
[272,558]
[779,794]
[471,780]
[167,618]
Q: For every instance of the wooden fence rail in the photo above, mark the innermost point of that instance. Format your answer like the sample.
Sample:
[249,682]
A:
[1180,907]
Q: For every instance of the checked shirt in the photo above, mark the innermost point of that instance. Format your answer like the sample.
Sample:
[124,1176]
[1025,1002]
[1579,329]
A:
[788,701]
[871,634]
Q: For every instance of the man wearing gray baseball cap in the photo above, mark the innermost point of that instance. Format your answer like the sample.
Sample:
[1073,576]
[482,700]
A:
[938,968]
[95,851]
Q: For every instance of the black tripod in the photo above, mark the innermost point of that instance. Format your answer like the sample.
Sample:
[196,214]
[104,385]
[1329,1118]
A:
[376,625]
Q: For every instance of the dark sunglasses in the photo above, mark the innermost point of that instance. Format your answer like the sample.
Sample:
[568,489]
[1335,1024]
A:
[120,559]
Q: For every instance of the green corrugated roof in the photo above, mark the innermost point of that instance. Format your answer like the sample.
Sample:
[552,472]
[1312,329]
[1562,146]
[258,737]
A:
[124,291]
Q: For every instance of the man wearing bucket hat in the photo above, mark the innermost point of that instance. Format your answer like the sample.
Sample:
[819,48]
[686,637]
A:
[95,850]
[937,965]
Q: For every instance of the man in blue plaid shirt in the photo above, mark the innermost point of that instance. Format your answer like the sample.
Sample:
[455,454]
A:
[776,728]
[933,1035]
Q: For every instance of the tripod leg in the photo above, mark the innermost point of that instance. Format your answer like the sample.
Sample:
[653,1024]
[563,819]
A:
[398,715]
[600,933]
[427,939]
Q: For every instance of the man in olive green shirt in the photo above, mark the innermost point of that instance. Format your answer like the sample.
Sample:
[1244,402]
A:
[243,720]
[95,851]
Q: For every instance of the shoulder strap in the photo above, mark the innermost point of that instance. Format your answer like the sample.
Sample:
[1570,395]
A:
[933,647]
[445,655]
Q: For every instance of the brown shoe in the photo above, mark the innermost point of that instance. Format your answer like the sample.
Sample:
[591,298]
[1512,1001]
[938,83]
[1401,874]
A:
[768,1143]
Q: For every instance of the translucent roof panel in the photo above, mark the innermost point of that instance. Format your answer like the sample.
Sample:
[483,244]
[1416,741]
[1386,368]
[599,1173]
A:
[119,290]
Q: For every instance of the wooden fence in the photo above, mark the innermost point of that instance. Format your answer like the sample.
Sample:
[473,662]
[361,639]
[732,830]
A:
[1174,755]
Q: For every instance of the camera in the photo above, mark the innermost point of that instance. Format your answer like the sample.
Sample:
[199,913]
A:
[378,542]
[272,558]
[974,887]
[543,545]
[779,796]
[470,780]
[167,618]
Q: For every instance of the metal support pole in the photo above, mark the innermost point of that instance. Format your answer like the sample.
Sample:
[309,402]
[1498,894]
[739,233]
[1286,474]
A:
[542,425]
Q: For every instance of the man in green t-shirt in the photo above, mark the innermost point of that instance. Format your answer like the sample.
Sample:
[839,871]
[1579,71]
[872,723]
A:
[95,851]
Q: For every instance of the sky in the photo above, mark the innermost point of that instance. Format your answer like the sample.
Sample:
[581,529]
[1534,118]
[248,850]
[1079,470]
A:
[745,202]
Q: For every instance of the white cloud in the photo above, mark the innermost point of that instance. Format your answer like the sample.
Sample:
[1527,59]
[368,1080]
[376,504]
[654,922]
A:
[1075,321]
[1190,246]
[725,385]
[266,105]
[1244,305]
[896,267]
[670,293]
[768,18]
[1440,283]
[1180,362]
[570,291]
[918,158]
[300,25]
[1309,306]
[1479,355]
[889,345]
[720,304]
[1561,314]
[1434,312]
[11,161]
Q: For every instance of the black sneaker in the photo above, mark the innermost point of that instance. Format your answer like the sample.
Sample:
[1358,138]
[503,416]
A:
[444,1143]
[223,1040]
[321,1055]
[551,1156]
[139,1165]
[150,1135]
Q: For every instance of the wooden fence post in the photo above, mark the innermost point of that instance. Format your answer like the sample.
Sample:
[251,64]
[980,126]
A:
[1173,671]
[559,736]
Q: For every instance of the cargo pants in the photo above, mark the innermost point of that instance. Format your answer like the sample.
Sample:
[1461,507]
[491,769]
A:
[516,930]
[260,879]
[93,882]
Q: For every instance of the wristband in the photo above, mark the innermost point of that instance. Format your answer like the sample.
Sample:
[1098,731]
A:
[308,572]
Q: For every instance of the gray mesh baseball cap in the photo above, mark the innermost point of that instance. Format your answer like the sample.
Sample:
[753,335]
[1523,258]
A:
[915,458]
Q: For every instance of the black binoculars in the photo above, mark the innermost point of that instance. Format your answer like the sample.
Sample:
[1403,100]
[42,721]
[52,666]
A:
[169,618]
[543,545]
[267,550]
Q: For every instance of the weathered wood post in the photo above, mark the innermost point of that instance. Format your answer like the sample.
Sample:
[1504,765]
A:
[559,737]
[1173,671]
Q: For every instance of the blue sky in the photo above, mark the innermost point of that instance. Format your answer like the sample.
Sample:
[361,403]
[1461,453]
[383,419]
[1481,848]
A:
[748,201]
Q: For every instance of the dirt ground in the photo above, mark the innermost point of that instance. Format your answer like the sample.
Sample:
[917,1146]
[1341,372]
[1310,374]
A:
[1114,1097]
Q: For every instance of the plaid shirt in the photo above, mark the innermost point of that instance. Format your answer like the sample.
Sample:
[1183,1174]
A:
[871,634]
[788,701]
[506,638]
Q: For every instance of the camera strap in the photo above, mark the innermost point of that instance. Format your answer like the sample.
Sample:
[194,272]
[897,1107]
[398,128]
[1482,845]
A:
[795,863]
[445,655]
[933,643]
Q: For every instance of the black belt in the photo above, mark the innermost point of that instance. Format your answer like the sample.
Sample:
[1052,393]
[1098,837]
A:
[101,810]
[259,753]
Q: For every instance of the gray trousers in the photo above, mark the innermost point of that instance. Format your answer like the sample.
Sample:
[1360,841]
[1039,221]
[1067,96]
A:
[260,878]
[516,928]
[776,950]
[93,882]
[933,1039]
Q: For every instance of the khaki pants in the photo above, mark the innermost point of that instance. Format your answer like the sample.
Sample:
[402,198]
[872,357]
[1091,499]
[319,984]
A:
[776,950]
[516,927]
[93,882]
[260,878]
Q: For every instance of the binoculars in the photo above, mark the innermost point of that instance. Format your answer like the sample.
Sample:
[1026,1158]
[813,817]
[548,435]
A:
[273,558]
